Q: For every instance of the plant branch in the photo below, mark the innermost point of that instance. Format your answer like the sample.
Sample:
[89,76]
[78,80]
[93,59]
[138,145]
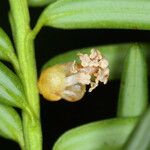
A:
[25,48]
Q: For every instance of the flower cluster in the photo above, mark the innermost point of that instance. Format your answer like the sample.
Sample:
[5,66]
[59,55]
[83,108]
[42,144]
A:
[68,81]
[92,69]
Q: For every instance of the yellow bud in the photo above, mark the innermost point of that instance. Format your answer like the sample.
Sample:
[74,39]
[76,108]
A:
[68,81]
[54,85]
[52,82]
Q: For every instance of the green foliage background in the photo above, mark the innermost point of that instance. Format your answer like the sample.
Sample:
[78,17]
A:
[90,24]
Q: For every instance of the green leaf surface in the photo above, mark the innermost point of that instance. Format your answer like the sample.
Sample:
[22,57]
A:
[6,48]
[38,3]
[10,124]
[11,89]
[140,138]
[7,51]
[109,134]
[74,14]
[133,97]
[115,54]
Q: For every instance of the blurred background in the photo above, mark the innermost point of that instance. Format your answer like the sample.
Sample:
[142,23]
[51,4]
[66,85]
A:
[58,117]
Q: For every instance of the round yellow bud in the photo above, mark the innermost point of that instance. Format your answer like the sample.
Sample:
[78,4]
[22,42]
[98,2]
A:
[68,81]
[52,82]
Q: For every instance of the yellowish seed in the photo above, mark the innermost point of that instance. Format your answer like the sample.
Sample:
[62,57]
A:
[52,82]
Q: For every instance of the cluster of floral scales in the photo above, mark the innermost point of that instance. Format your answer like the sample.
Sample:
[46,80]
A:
[91,70]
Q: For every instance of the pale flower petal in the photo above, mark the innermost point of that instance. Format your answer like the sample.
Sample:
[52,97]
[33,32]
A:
[103,63]
[84,78]
[91,70]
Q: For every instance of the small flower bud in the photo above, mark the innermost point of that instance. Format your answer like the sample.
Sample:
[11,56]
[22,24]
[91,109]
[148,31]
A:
[68,81]
[52,82]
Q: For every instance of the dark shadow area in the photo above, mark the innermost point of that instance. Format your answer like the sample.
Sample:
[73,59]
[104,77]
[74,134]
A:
[61,116]
[58,117]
